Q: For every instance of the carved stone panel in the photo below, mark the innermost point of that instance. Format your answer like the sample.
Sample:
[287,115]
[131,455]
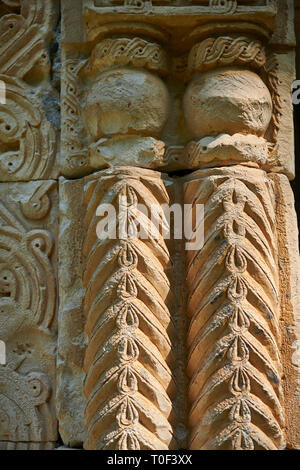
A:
[29,117]
[28,225]
[241,313]
[122,122]
[242,329]
[122,322]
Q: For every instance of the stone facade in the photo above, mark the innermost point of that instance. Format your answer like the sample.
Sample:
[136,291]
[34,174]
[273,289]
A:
[148,341]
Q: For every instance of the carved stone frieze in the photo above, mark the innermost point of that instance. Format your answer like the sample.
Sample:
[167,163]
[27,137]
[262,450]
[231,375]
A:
[128,51]
[225,50]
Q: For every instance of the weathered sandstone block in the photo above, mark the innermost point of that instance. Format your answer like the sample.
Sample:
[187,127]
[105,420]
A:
[70,401]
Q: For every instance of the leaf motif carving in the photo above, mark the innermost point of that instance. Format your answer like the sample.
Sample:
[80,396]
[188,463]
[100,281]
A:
[234,360]
[129,384]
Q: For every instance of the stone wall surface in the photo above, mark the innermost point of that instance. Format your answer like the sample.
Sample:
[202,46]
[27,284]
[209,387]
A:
[119,119]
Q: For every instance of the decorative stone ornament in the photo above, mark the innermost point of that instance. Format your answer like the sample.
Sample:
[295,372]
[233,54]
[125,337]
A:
[126,101]
[149,263]
[227,101]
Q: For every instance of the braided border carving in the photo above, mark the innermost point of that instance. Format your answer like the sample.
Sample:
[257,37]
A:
[234,360]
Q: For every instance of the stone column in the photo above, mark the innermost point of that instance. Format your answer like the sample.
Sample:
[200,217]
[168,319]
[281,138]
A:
[235,337]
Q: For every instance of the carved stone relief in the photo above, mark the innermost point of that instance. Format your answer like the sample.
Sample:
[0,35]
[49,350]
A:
[28,141]
[235,318]
[28,222]
[213,69]
[128,325]
[139,342]
[234,336]
[130,317]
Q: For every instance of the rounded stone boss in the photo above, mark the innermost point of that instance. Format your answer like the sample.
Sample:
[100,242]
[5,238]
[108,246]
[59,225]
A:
[127,96]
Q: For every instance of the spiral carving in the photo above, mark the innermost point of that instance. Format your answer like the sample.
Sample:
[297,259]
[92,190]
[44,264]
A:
[23,125]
